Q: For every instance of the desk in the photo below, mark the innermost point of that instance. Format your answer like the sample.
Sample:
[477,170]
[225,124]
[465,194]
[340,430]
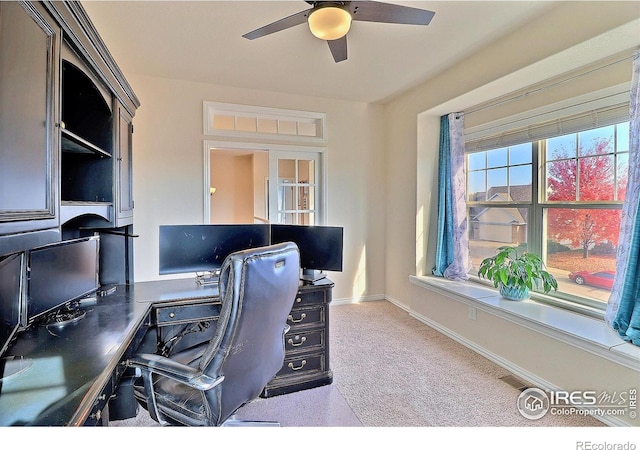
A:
[306,360]
[75,369]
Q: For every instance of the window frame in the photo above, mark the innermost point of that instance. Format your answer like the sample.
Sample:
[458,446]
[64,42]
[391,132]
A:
[244,121]
[537,210]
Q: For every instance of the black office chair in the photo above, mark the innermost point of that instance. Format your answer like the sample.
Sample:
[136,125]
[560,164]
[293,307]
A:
[206,384]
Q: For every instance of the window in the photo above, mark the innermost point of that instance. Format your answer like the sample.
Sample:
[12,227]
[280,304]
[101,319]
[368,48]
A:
[284,174]
[569,211]
[223,119]
[297,177]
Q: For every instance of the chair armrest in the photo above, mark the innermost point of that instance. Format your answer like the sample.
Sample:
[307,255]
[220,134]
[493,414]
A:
[174,370]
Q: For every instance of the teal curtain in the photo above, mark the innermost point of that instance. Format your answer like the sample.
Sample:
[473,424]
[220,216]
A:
[627,319]
[444,248]
[452,250]
[623,308]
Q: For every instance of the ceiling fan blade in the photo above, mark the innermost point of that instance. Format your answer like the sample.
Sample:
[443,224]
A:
[279,25]
[338,49]
[368,11]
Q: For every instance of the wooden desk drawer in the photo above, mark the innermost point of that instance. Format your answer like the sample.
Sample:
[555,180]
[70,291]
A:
[302,364]
[305,316]
[304,341]
[305,298]
[170,315]
[306,361]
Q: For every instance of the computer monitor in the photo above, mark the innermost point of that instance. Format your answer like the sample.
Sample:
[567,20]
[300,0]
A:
[11,298]
[320,247]
[201,249]
[61,273]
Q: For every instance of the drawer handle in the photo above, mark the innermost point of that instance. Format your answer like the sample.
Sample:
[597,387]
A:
[297,344]
[302,317]
[298,299]
[302,363]
[172,315]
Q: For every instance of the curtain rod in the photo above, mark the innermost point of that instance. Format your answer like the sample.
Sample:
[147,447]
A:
[537,91]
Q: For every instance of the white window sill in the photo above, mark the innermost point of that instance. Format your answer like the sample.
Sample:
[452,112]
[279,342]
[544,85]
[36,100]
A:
[588,333]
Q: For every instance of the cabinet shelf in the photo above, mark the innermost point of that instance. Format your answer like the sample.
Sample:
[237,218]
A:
[73,143]
[72,209]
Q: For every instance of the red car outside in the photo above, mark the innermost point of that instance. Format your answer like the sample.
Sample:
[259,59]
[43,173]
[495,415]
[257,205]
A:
[603,279]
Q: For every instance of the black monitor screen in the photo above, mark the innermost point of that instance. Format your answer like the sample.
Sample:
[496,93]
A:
[11,270]
[320,246]
[203,248]
[61,273]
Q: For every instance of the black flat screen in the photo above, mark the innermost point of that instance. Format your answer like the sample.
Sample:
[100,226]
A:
[320,246]
[61,273]
[203,248]
[10,298]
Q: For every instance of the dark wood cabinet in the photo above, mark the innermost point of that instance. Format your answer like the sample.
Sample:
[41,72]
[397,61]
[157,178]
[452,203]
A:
[66,114]
[29,76]
[306,362]
[124,167]
[86,135]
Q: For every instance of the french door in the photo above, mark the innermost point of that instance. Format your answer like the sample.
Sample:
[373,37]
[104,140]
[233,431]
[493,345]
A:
[296,197]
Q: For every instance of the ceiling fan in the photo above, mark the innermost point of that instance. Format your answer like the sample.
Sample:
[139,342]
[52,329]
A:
[331,21]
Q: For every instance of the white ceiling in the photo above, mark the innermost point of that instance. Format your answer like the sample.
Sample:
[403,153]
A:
[202,41]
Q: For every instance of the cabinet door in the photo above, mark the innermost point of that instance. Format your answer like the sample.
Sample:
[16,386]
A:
[124,169]
[29,52]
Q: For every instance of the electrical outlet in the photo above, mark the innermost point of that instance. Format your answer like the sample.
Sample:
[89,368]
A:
[472,313]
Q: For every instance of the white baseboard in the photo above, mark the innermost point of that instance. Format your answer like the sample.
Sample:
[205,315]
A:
[352,300]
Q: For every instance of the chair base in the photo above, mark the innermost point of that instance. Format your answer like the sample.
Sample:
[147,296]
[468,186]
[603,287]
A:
[233,422]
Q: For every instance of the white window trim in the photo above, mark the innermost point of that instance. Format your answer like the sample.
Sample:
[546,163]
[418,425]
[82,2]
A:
[210,109]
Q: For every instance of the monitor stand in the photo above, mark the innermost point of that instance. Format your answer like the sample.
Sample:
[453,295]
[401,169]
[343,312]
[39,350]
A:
[208,278]
[12,366]
[64,316]
[311,275]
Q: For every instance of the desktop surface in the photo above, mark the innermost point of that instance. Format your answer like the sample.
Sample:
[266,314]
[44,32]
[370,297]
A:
[70,367]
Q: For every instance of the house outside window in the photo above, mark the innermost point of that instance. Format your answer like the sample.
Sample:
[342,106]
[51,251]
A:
[559,197]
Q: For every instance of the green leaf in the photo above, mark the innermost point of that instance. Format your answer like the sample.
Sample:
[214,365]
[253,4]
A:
[508,267]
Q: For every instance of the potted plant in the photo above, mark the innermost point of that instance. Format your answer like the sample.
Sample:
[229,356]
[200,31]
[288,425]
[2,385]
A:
[515,273]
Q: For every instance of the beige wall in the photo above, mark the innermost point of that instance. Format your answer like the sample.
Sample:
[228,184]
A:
[260,174]
[232,176]
[168,172]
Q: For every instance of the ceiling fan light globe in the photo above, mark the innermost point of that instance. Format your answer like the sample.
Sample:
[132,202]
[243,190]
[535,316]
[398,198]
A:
[329,23]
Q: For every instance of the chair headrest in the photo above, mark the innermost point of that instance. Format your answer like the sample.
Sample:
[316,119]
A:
[265,251]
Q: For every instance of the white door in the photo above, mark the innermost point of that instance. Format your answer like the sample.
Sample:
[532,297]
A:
[297,196]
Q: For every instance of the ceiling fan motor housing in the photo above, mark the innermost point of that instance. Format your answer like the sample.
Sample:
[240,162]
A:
[329,21]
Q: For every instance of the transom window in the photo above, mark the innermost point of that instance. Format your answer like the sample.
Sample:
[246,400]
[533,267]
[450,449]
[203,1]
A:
[223,119]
